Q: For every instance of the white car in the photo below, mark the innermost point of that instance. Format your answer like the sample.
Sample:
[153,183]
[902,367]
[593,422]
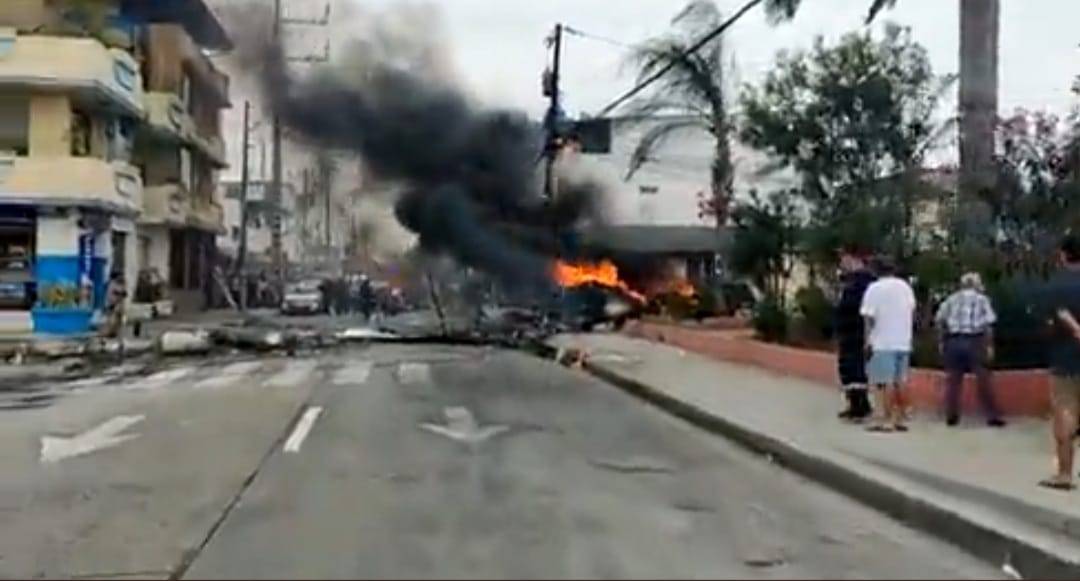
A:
[303,298]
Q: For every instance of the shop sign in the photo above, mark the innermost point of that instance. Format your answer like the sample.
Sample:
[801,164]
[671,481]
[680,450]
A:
[86,254]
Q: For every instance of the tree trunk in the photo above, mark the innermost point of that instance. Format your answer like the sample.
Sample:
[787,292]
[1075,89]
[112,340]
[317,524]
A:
[980,22]
[722,180]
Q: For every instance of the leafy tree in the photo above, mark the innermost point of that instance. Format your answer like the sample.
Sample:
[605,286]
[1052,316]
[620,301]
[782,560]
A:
[1034,202]
[980,24]
[766,241]
[855,121]
[691,96]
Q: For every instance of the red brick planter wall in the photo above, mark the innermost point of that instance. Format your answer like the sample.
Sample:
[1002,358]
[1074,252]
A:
[1019,393]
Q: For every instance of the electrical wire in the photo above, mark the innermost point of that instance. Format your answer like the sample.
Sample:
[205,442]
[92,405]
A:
[694,48]
[597,37]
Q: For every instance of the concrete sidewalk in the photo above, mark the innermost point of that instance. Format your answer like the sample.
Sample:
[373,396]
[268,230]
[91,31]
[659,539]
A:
[972,485]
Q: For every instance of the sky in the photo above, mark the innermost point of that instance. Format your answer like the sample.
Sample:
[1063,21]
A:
[496,49]
[498,46]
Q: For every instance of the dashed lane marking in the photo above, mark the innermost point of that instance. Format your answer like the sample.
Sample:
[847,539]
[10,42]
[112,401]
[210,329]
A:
[302,429]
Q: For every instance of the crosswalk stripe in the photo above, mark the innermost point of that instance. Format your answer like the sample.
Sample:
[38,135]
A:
[161,379]
[230,375]
[354,373]
[414,373]
[294,374]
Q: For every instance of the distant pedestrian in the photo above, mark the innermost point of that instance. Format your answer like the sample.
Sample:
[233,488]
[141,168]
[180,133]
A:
[965,322]
[1060,308]
[367,298]
[115,298]
[889,309]
[851,336]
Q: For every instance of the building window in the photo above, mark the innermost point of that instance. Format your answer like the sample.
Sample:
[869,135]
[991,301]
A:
[14,126]
[80,134]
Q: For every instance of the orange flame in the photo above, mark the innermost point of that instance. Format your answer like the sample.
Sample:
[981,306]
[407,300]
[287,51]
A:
[602,274]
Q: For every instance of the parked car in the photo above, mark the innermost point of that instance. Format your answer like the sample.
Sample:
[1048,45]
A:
[305,297]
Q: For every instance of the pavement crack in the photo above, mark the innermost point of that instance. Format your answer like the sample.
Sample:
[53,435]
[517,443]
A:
[189,556]
[633,466]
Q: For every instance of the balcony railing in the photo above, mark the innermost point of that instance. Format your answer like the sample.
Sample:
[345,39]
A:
[165,205]
[209,216]
[81,65]
[71,181]
[167,116]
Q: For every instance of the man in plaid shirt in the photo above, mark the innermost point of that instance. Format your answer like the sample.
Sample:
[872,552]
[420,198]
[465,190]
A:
[966,323]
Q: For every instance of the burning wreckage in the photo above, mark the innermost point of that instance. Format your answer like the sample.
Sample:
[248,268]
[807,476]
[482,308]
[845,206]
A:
[470,187]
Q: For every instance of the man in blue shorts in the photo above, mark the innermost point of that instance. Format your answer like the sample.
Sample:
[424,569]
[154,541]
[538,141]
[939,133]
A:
[888,308]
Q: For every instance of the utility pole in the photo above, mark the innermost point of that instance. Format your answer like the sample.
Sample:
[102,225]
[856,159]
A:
[325,180]
[551,90]
[241,257]
[277,164]
[276,170]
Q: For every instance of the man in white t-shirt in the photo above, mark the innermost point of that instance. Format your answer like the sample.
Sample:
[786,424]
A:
[889,310]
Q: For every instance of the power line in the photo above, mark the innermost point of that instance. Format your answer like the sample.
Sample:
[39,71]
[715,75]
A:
[597,37]
[696,47]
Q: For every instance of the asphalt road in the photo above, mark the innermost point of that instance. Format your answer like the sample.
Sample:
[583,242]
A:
[412,462]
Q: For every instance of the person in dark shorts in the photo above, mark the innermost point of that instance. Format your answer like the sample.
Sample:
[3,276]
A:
[965,322]
[851,336]
[1060,308]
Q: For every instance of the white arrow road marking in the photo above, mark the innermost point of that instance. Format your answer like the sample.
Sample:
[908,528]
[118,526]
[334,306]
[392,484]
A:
[293,375]
[461,426]
[107,435]
[229,375]
[414,373]
[303,427]
[353,374]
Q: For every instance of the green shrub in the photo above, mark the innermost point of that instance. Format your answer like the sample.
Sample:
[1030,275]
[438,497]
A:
[1018,335]
[771,321]
[815,315]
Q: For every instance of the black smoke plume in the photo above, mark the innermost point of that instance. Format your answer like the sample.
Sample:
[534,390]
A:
[471,175]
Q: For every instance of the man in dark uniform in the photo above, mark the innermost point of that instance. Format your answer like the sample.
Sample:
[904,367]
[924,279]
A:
[851,335]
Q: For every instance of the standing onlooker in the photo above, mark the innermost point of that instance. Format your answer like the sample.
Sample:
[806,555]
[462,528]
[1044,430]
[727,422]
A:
[966,324]
[1061,310]
[115,299]
[889,309]
[851,336]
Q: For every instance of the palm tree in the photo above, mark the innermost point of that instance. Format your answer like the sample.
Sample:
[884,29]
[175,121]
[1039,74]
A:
[692,90]
[781,10]
[690,96]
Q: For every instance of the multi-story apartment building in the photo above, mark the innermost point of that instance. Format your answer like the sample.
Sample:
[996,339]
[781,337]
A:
[180,148]
[109,144]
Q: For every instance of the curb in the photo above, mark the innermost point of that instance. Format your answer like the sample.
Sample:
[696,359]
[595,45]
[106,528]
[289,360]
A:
[985,542]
